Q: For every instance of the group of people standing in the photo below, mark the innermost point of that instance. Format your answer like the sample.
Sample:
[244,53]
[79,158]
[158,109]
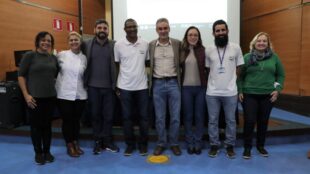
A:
[184,76]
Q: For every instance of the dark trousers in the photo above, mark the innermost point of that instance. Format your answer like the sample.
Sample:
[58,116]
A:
[40,119]
[101,104]
[71,112]
[131,101]
[194,111]
[257,109]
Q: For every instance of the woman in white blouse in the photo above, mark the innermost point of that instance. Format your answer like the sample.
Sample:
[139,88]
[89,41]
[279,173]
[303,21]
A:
[71,94]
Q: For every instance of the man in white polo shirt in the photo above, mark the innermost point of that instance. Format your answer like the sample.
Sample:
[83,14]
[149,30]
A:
[222,60]
[132,53]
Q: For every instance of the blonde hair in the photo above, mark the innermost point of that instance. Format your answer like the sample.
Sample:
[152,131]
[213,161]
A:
[74,33]
[254,40]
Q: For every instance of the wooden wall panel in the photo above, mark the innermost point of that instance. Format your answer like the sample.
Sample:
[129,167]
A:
[68,6]
[19,25]
[249,30]
[92,10]
[305,52]
[252,8]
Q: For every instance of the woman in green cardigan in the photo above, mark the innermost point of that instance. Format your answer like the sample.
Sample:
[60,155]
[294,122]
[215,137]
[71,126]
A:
[260,82]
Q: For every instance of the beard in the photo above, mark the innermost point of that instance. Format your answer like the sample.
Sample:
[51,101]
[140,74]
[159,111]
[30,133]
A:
[221,40]
[101,35]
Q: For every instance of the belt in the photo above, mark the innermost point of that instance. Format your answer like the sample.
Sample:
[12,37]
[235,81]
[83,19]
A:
[165,78]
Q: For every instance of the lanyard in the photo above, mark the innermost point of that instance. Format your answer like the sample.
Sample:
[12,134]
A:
[221,57]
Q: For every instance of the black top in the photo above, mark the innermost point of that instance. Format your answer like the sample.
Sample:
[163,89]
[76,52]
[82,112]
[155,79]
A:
[40,71]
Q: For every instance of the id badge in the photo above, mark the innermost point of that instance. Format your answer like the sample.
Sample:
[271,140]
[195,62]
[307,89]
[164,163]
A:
[221,70]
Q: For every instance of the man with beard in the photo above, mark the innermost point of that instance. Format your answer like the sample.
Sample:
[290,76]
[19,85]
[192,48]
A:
[132,53]
[165,82]
[100,79]
[223,60]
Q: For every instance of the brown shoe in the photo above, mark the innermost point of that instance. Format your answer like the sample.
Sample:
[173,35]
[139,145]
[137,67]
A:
[159,150]
[176,150]
[78,148]
[71,150]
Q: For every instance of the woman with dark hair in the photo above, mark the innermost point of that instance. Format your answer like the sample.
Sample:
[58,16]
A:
[36,78]
[71,94]
[194,83]
[260,82]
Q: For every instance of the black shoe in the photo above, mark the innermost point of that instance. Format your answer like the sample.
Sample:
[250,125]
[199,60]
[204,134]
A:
[129,150]
[49,158]
[198,151]
[159,150]
[230,152]
[176,150]
[143,150]
[190,150]
[247,153]
[262,151]
[39,159]
[97,148]
[214,150]
[111,147]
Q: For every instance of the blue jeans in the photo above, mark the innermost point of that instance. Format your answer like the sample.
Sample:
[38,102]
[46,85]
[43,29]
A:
[229,104]
[101,104]
[130,101]
[167,91]
[194,109]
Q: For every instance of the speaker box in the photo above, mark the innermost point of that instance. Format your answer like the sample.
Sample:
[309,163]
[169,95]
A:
[11,76]
[12,105]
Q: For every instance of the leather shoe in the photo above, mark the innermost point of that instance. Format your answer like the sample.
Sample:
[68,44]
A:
[71,150]
[78,148]
[159,150]
[176,150]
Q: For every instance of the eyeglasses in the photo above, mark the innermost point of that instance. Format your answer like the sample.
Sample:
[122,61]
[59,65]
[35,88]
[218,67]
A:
[192,35]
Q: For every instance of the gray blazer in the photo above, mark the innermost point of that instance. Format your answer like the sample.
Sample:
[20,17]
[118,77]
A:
[87,47]
[176,45]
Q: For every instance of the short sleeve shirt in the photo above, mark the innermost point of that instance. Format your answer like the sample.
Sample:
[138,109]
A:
[222,82]
[40,71]
[131,57]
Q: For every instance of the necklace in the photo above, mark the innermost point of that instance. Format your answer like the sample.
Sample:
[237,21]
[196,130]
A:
[262,65]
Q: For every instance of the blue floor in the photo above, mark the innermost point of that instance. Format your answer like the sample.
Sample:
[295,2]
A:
[283,159]
[286,157]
